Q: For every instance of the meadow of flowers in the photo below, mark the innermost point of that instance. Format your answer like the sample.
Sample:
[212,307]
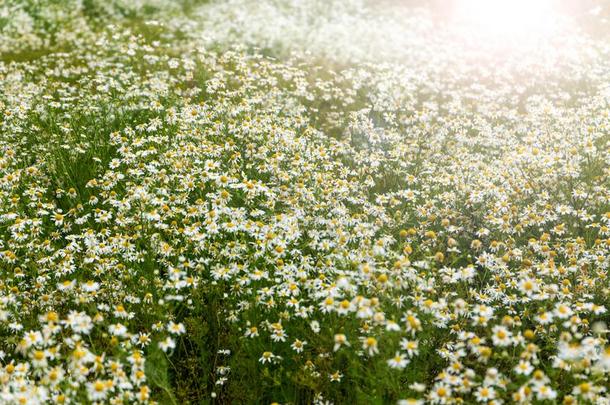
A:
[299,201]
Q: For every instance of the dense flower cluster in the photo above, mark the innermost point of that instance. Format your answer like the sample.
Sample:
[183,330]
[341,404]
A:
[185,219]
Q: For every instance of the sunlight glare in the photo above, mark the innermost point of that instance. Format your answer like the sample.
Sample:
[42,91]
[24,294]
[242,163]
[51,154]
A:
[508,19]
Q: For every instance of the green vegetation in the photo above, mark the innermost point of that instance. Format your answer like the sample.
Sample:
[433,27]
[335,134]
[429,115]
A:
[298,202]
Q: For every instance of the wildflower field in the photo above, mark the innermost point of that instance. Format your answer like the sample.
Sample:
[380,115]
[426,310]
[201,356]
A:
[303,202]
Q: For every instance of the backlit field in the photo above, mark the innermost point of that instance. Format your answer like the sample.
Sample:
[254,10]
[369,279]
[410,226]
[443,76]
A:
[304,202]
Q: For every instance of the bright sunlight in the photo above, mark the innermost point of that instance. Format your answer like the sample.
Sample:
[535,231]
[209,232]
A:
[509,19]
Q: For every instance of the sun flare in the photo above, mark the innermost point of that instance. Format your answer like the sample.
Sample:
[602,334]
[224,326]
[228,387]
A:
[508,19]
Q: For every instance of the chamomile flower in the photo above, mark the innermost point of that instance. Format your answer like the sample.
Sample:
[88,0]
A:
[369,344]
[167,344]
[399,361]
